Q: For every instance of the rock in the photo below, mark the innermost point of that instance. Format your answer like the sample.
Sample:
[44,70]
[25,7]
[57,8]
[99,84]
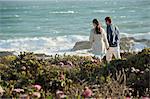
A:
[42,55]
[6,53]
[147,43]
[81,45]
[126,44]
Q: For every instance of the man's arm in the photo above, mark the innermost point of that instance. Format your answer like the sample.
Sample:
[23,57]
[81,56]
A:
[117,33]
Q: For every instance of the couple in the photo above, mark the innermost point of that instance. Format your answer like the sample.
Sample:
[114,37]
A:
[105,43]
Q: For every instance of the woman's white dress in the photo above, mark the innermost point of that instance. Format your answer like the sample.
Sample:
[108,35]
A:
[99,43]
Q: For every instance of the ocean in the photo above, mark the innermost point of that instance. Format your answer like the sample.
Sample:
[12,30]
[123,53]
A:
[54,26]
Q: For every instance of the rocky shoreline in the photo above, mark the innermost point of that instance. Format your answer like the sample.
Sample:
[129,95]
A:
[126,44]
[6,53]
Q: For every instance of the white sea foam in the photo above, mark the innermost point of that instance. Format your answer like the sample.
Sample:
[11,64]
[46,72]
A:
[104,11]
[101,11]
[46,45]
[17,16]
[58,45]
[123,16]
[132,11]
[122,7]
[63,12]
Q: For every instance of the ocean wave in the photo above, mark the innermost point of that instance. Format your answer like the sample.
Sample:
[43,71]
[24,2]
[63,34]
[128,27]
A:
[132,11]
[16,16]
[137,35]
[63,12]
[41,44]
[123,16]
[59,44]
[122,8]
[103,11]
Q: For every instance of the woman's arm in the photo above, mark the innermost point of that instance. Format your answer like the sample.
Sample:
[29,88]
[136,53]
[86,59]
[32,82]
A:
[91,38]
[105,39]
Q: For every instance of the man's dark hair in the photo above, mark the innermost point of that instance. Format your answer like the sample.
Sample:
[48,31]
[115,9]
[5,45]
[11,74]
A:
[108,19]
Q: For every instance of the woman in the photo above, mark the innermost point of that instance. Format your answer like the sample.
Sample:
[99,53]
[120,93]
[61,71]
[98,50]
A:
[98,39]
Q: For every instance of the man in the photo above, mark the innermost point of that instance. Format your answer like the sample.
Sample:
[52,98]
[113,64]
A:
[113,37]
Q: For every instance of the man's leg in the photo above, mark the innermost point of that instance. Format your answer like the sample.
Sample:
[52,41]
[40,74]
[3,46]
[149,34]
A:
[109,55]
[116,52]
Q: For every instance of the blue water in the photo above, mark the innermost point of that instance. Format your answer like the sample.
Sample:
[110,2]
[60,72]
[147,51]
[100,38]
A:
[22,21]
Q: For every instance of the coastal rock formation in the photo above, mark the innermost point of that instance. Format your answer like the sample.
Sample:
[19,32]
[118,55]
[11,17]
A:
[126,44]
[81,45]
[6,53]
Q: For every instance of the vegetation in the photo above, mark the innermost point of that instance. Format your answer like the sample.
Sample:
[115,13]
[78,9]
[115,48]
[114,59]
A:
[28,75]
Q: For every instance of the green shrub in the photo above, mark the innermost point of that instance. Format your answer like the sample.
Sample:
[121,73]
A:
[72,73]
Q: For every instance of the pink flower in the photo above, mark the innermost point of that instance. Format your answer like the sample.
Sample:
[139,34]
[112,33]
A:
[18,90]
[38,87]
[70,63]
[127,97]
[60,94]
[61,64]
[63,96]
[62,77]
[87,92]
[142,72]
[145,98]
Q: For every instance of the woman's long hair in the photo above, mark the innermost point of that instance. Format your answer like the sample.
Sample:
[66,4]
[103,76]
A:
[98,26]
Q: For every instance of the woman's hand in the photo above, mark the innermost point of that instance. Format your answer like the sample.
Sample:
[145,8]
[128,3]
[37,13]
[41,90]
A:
[108,48]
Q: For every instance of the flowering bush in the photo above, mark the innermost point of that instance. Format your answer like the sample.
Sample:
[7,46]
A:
[37,87]
[32,76]
[87,93]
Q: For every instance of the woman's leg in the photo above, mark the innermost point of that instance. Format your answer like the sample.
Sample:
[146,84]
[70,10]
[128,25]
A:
[98,55]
